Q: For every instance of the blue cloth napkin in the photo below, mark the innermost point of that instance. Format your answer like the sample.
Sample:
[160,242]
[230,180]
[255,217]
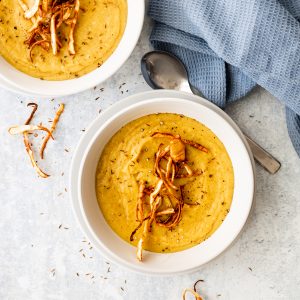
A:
[229,46]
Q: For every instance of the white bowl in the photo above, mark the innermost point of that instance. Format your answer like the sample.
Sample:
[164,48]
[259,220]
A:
[23,83]
[88,153]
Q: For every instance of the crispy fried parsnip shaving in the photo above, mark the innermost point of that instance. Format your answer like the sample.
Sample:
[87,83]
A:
[195,294]
[27,143]
[25,129]
[47,17]
[28,128]
[193,291]
[53,126]
[174,155]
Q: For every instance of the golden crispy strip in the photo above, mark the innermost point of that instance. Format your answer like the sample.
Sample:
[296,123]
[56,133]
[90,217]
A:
[67,13]
[168,211]
[27,128]
[177,150]
[156,204]
[188,142]
[32,10]
[25,8]
[34,109]
[30,153]
[188,168]
[27,144]
[173,172]
[139,252]
[54,123]
[195,294]
[134,231]
[53,33]
[195,145]
[35,24]
[73,24]
[156,191]
[137,228]
[40,42]
[164,134]
[167,177]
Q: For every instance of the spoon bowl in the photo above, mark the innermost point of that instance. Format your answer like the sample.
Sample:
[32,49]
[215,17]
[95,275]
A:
[163,70]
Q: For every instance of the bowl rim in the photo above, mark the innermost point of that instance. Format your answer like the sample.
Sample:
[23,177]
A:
[93,131]
[26,84]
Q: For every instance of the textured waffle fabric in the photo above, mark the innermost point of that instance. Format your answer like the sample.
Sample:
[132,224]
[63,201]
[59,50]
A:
[230,46]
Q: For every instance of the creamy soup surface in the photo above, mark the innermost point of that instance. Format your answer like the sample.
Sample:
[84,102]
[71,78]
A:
[98,31]
[128,159]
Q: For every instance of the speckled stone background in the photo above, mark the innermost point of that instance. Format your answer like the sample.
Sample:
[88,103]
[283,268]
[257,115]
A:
[43,254]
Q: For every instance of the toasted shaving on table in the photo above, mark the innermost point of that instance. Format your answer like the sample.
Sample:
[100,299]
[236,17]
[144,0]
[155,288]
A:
[174,154]
[52,129]
[195,294]
[193,291]
[27,128]
[27,143]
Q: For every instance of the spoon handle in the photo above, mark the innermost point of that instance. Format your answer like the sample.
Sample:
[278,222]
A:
[264,158]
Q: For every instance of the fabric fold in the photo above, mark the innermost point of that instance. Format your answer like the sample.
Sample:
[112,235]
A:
[230,46]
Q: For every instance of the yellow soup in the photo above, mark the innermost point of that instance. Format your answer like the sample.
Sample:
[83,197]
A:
[128,158]
[98,31]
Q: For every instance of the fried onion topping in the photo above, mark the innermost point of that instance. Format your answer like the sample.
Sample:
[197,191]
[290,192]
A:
[47,18]
[170,164]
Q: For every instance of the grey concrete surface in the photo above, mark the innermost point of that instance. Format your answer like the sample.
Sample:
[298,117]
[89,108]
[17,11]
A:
[43,254]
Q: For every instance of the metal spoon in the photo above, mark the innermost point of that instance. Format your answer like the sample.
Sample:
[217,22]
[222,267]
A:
[162,70]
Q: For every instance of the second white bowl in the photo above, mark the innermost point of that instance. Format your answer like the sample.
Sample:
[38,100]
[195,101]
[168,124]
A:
[83,180]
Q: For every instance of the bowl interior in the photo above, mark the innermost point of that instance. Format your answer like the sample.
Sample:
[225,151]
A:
[32,85]
[123,252]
